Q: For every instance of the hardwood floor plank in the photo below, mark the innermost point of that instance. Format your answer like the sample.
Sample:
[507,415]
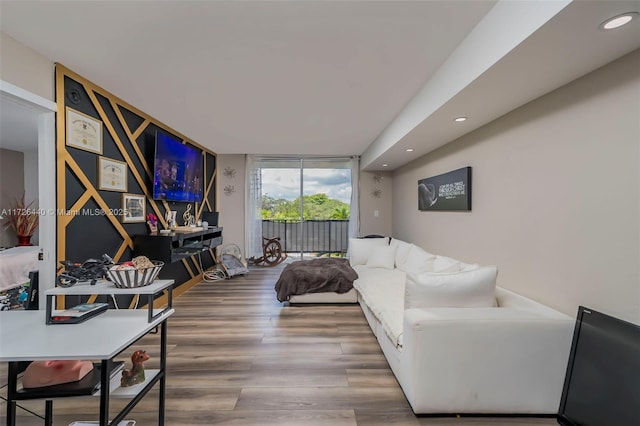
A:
[282,418]
[303,398]
[316,362]
[261,378]
[209,363]
[361,348]
[364,339]
[364,377]
[278,349]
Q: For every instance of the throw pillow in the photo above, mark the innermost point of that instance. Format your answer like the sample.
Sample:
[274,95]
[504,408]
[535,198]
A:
[445,264]
[359,249]
[470,289]
[418,261]
[468,266]
[382,257]
[402,251]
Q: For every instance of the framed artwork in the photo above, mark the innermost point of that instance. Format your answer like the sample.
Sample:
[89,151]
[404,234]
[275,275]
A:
[112,175]
[83,132]
[133,208]
[446,192]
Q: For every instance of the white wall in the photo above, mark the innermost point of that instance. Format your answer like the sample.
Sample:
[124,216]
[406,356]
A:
[26,68]
[556,195]
[231,207]
[375,211]
[31,190]
[11,188]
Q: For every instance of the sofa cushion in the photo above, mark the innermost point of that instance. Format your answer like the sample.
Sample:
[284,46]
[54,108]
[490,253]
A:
[360,248]
[382,257]
[445,264]
[402,252]
[418,261]
[382,290]
[468,266]
[373,278]
[469,289]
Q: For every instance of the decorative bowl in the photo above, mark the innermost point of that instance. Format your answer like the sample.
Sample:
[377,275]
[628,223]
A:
[132,278]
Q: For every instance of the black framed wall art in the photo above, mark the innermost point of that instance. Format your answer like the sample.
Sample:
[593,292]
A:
[446,192]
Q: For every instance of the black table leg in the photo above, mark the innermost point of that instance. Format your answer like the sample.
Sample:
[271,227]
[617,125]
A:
[48,412]
[163,369]
[104,392]
[12,383]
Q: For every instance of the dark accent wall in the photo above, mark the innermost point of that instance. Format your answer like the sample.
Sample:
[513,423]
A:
[89,220]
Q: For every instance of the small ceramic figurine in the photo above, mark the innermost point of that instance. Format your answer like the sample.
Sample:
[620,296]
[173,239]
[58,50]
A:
[135,374]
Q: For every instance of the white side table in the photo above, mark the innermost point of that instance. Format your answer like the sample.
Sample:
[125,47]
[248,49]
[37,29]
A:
[25,336]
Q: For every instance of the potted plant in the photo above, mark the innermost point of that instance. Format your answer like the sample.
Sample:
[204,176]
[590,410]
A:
[23,218]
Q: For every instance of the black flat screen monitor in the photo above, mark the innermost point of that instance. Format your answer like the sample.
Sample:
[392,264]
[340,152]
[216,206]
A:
[178,170]
[602,384]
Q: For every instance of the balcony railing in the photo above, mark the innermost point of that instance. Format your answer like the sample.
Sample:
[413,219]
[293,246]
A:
[313,236]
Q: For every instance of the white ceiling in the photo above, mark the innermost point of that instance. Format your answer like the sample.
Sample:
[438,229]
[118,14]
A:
[319,77]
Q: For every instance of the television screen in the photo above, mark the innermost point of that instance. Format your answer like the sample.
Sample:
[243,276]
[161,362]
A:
[177,171]
[602,384]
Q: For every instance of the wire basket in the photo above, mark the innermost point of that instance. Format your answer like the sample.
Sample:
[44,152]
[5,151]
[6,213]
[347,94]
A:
[132,278]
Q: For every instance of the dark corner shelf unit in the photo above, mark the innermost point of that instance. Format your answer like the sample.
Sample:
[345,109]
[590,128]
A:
[176,246]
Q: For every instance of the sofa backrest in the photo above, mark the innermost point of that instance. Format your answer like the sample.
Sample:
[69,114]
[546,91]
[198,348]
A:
[509,299]
[415,260]
[360,249]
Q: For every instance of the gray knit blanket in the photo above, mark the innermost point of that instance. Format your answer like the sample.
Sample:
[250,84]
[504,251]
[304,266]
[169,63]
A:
[321,275]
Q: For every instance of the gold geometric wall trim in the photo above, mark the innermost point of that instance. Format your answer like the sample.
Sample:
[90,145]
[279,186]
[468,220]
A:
[127,135]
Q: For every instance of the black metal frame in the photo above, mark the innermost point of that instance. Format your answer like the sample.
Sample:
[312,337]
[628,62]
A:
[316,236]
[16,367]
[150,298]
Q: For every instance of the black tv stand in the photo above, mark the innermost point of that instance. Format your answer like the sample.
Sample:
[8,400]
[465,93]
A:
[177,245]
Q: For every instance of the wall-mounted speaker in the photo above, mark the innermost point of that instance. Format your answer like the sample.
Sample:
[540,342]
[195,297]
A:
[74,96]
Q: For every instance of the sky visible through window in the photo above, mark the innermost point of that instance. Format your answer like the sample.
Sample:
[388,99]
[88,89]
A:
[285,183]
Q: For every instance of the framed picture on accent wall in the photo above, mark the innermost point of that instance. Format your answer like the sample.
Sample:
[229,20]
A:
[133,208]
[446,192]
[112,175]
[83,132]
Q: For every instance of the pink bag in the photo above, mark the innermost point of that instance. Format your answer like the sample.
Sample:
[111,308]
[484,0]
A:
[48,373]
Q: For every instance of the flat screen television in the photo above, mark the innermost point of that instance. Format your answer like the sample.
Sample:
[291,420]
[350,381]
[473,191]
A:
[602,384]
[177,170]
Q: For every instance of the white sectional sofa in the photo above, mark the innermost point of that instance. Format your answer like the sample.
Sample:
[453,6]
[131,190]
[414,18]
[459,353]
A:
[456,342]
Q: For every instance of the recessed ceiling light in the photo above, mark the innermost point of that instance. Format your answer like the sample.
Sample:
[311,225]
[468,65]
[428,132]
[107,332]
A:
[409,149]
[618,21]
[385,165]
[460,119]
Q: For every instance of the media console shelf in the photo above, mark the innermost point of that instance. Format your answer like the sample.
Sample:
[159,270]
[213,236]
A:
[176,246]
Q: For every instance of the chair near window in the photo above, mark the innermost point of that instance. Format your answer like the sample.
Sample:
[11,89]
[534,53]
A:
[272,251]
[272,254]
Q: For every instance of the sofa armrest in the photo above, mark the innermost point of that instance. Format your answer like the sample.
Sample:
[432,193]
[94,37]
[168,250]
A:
[484,360]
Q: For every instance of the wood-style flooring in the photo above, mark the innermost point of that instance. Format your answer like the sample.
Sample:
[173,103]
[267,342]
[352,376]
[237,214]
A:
[239,357]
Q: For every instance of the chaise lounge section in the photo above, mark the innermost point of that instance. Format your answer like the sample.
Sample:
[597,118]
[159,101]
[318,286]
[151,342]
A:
[456,342]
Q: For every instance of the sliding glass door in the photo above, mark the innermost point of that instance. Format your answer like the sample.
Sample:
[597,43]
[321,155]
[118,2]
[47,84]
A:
[306,202]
